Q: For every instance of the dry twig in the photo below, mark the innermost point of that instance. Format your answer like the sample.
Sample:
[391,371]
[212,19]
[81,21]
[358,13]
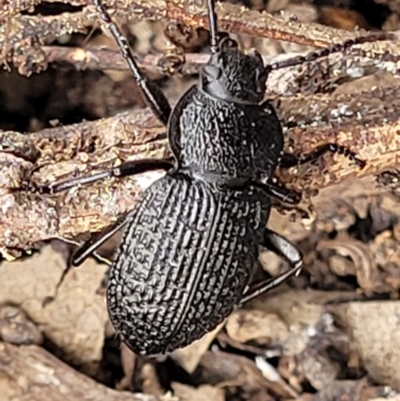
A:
[282,82]
[105,59]
[24,34]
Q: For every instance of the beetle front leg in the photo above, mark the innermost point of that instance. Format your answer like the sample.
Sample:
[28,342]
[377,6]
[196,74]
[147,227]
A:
[289,160]
[126,169]
[282,247]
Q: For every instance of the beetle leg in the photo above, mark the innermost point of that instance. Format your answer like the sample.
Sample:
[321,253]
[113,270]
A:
[90,246]
[213,22]
[280,192]
[289,160]
[85,250]
[154,97]
[126,169]
[282,247]
[336,48]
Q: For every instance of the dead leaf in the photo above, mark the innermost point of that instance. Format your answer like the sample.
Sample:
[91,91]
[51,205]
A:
[265,328]
[364,263]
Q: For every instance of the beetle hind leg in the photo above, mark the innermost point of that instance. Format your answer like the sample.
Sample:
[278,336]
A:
[85,250]
[282,247]
[91,245]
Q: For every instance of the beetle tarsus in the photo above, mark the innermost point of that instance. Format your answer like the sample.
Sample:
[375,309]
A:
[289,160]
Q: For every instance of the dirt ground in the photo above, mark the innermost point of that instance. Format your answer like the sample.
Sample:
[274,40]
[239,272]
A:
[69,106]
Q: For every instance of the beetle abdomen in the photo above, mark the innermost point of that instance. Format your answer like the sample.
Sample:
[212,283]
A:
[187,254]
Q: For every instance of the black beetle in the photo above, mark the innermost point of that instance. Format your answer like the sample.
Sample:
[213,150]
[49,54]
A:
[192,240]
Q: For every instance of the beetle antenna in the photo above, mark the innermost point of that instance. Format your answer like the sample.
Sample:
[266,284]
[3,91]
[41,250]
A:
[336,48]
[154,98]
[120,39]
[213,21]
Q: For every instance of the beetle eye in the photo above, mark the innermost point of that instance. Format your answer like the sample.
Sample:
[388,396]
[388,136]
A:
[232,44]
[227,42]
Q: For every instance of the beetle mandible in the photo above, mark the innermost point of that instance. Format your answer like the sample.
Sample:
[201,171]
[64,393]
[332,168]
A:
[193,238]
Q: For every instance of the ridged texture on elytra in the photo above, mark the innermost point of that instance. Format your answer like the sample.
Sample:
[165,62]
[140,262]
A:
[228,138]
[187,254]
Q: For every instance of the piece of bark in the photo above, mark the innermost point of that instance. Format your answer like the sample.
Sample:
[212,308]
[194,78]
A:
[26,36]
[61,152]
[30,373]
[107,59]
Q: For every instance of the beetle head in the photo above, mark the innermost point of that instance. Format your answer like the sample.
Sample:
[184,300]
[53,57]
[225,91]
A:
[234,76]
[230,74]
